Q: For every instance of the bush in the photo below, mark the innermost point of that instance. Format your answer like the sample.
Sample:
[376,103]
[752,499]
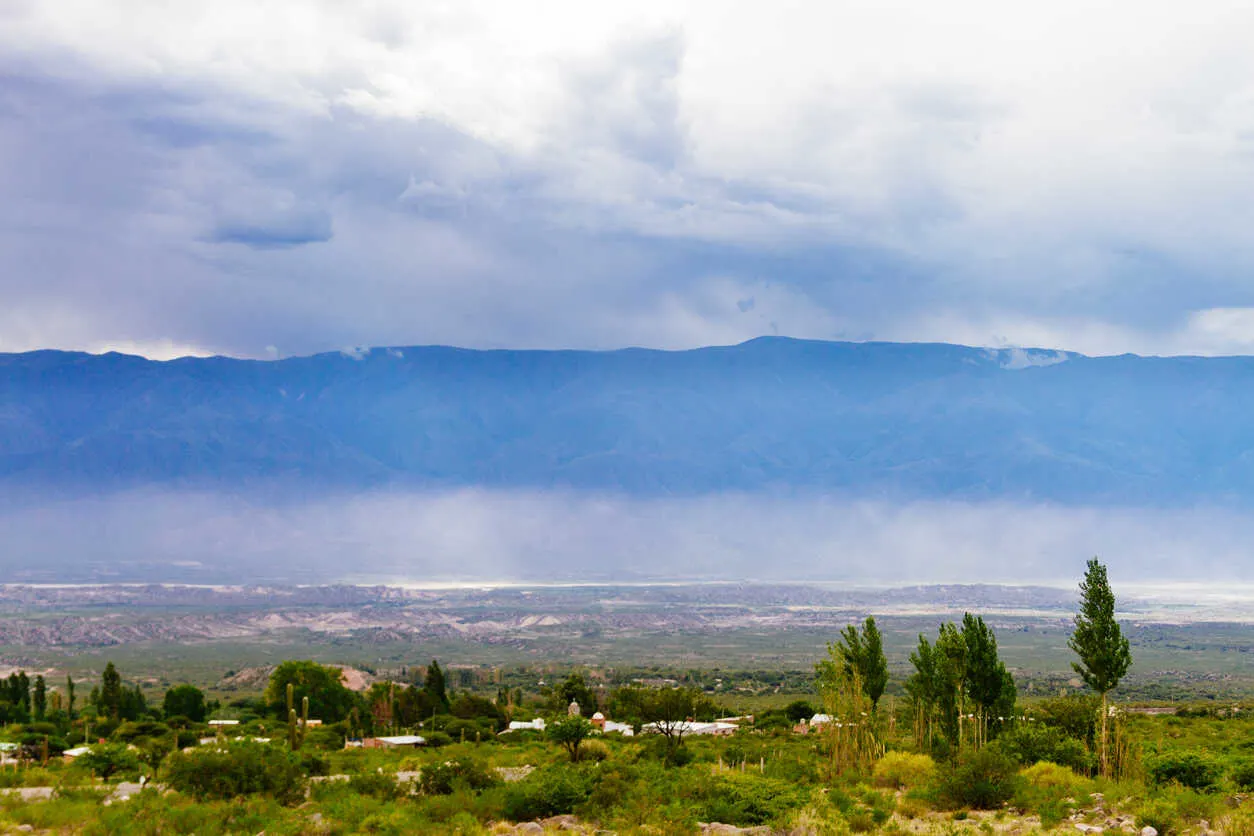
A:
[745,799]
[376,785]
[1045,775]
[594,750]
[312,764]
[902,770]
[1240,822]
[550,791]
[1074,716]
[109,759]
[1049,790]
[1159,814]
[1188,769]
[984,780]
[464,772]
[1243,775]
[221,773]
[1030,743]
[436,739]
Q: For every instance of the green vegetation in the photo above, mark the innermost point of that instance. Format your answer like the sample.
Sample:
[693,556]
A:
[954,744]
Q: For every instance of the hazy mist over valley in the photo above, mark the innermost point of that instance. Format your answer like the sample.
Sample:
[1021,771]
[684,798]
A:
[476,535]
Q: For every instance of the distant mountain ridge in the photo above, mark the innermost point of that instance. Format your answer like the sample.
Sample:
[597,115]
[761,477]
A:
[867,419]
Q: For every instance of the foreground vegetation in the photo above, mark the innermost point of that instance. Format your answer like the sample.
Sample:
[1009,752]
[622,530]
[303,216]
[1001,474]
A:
[962,750]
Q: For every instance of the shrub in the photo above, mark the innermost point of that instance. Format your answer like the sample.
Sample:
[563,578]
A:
[1188,769]
[133,731]
[109,759]
[549,791]
[376,785]
[594,750]
[1243,775]
[1030,743]
[437,739]
[1046,775]
[1075,716]
[312,764]
[324,738]
[902,770]
[1049,790]
[984,780]
[1240,822]
[1159,814]
[220,773]
[445,778]
[741,798]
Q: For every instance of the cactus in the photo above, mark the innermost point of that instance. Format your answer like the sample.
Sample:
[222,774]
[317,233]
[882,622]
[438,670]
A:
[297,725]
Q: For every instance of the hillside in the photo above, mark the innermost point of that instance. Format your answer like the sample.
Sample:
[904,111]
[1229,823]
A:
[877,419]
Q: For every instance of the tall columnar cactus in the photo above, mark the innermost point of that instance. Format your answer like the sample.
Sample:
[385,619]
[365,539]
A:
[296,725]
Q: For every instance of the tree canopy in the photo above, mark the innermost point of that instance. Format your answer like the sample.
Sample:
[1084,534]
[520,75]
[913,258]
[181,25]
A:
[184,701]
[329,699]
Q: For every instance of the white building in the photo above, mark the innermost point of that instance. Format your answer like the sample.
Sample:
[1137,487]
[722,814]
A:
[518,725]
[688,727]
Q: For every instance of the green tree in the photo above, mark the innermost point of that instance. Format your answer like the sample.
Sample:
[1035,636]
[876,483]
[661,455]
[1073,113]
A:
[925,688]
[1099,642]
[329,700]
[988,683]
[184,701]
[435,689]
[859,654]
[40,698]
[109,759]
[951,658]
[110,700]
[69,695]
[570,732]
[799,710]
[574,689]
[667,711]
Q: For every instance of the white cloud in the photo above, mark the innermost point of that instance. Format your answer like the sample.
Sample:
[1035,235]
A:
[1063,174]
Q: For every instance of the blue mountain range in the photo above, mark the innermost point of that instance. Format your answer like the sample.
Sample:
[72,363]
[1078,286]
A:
[869,419]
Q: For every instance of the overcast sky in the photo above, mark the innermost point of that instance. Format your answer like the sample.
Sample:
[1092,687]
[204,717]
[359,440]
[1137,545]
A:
[282,177]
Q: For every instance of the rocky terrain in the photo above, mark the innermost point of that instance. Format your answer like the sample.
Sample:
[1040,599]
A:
[103,616]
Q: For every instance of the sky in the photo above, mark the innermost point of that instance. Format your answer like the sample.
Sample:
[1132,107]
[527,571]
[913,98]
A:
[279,177]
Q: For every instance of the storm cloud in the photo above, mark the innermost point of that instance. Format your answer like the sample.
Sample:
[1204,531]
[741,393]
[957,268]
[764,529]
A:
[286,177]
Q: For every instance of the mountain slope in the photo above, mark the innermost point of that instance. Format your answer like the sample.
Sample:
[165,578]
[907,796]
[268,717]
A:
[877,419]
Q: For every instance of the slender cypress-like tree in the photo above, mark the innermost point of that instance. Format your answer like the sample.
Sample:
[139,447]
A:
[40,698]
[111,692]
[434,688]
[1100,644]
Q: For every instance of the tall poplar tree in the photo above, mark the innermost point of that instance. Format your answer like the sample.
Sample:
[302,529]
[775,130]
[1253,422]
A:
[859,654]
[1100,644]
